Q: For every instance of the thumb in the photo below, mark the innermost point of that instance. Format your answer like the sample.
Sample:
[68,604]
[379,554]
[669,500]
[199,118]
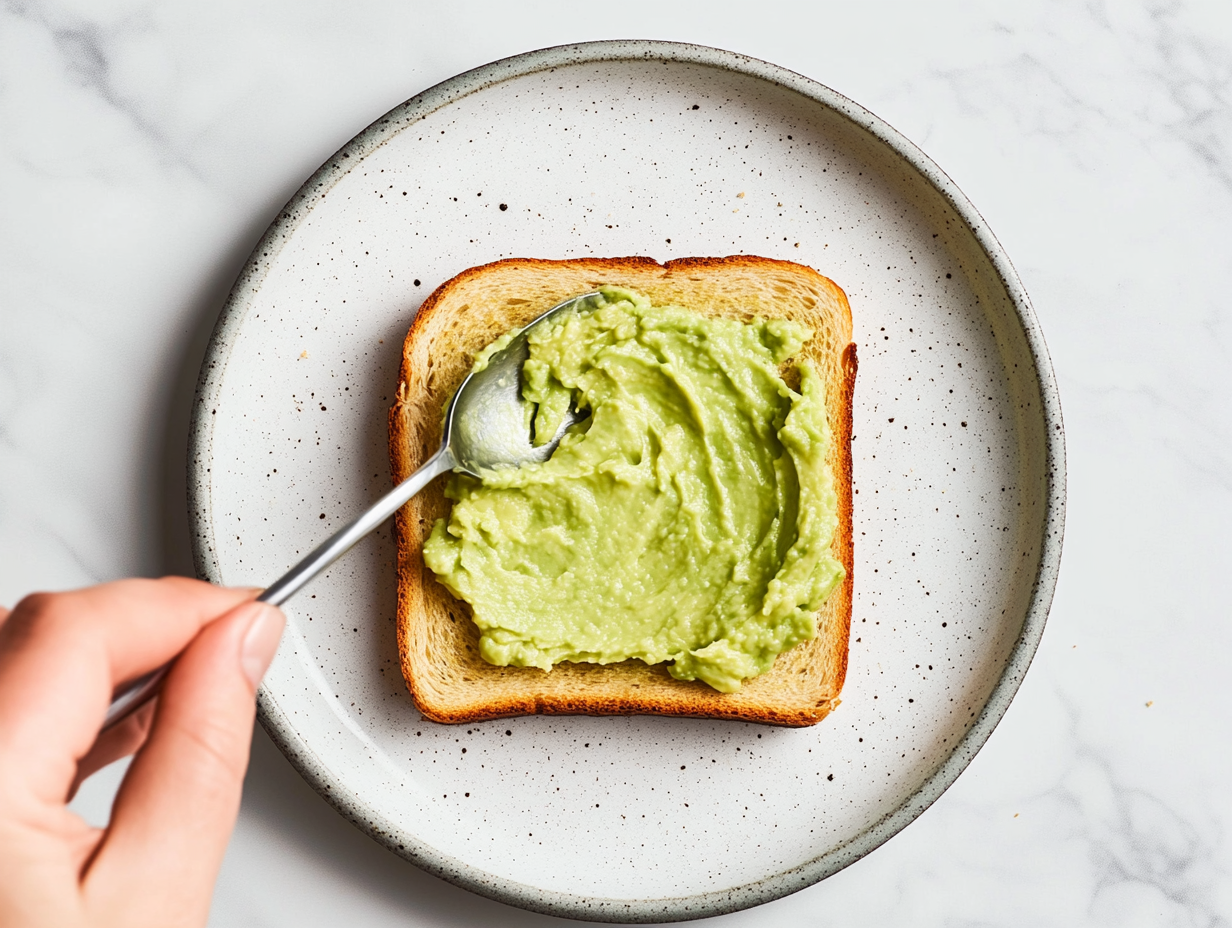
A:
[177,806]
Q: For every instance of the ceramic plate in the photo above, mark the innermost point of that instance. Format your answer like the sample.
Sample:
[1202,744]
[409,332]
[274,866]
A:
[640,148]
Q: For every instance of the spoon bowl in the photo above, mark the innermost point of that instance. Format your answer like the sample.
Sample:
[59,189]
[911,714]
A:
[485,426]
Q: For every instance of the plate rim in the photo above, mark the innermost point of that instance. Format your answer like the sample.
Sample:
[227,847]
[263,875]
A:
[551,902]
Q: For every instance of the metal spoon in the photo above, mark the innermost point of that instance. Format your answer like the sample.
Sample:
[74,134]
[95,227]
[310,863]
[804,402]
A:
[484,428]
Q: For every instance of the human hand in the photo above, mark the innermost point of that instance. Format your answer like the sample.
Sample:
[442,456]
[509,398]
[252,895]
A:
[61,656]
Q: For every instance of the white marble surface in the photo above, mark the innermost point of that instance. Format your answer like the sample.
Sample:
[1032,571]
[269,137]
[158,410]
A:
[144,147]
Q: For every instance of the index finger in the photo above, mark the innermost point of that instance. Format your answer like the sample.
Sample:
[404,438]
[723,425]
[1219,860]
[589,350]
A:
[62,654]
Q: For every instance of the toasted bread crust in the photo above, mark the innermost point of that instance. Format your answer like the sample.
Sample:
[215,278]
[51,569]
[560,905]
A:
[437,641]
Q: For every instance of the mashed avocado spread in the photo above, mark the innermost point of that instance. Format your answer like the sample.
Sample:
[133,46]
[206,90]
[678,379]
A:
[687,520]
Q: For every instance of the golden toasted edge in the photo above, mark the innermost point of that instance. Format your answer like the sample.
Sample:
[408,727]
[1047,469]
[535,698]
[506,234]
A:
[844,534]
[686,704]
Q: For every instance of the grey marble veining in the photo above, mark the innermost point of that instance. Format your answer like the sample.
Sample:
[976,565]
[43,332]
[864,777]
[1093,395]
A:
[145,146]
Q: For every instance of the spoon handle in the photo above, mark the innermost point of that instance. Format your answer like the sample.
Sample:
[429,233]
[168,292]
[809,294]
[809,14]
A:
[136,693]
[341,542]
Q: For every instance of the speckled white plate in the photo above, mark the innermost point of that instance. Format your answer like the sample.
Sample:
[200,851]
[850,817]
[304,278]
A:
[640,148]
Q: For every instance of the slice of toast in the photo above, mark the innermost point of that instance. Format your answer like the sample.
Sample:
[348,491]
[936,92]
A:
[437,640]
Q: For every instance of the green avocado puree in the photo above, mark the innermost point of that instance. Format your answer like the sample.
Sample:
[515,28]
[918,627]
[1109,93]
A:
[688,520]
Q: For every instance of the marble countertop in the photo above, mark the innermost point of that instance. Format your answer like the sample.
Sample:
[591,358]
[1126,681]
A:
[144,147]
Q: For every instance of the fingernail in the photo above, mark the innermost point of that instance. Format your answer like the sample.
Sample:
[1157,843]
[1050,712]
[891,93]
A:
[260,641]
